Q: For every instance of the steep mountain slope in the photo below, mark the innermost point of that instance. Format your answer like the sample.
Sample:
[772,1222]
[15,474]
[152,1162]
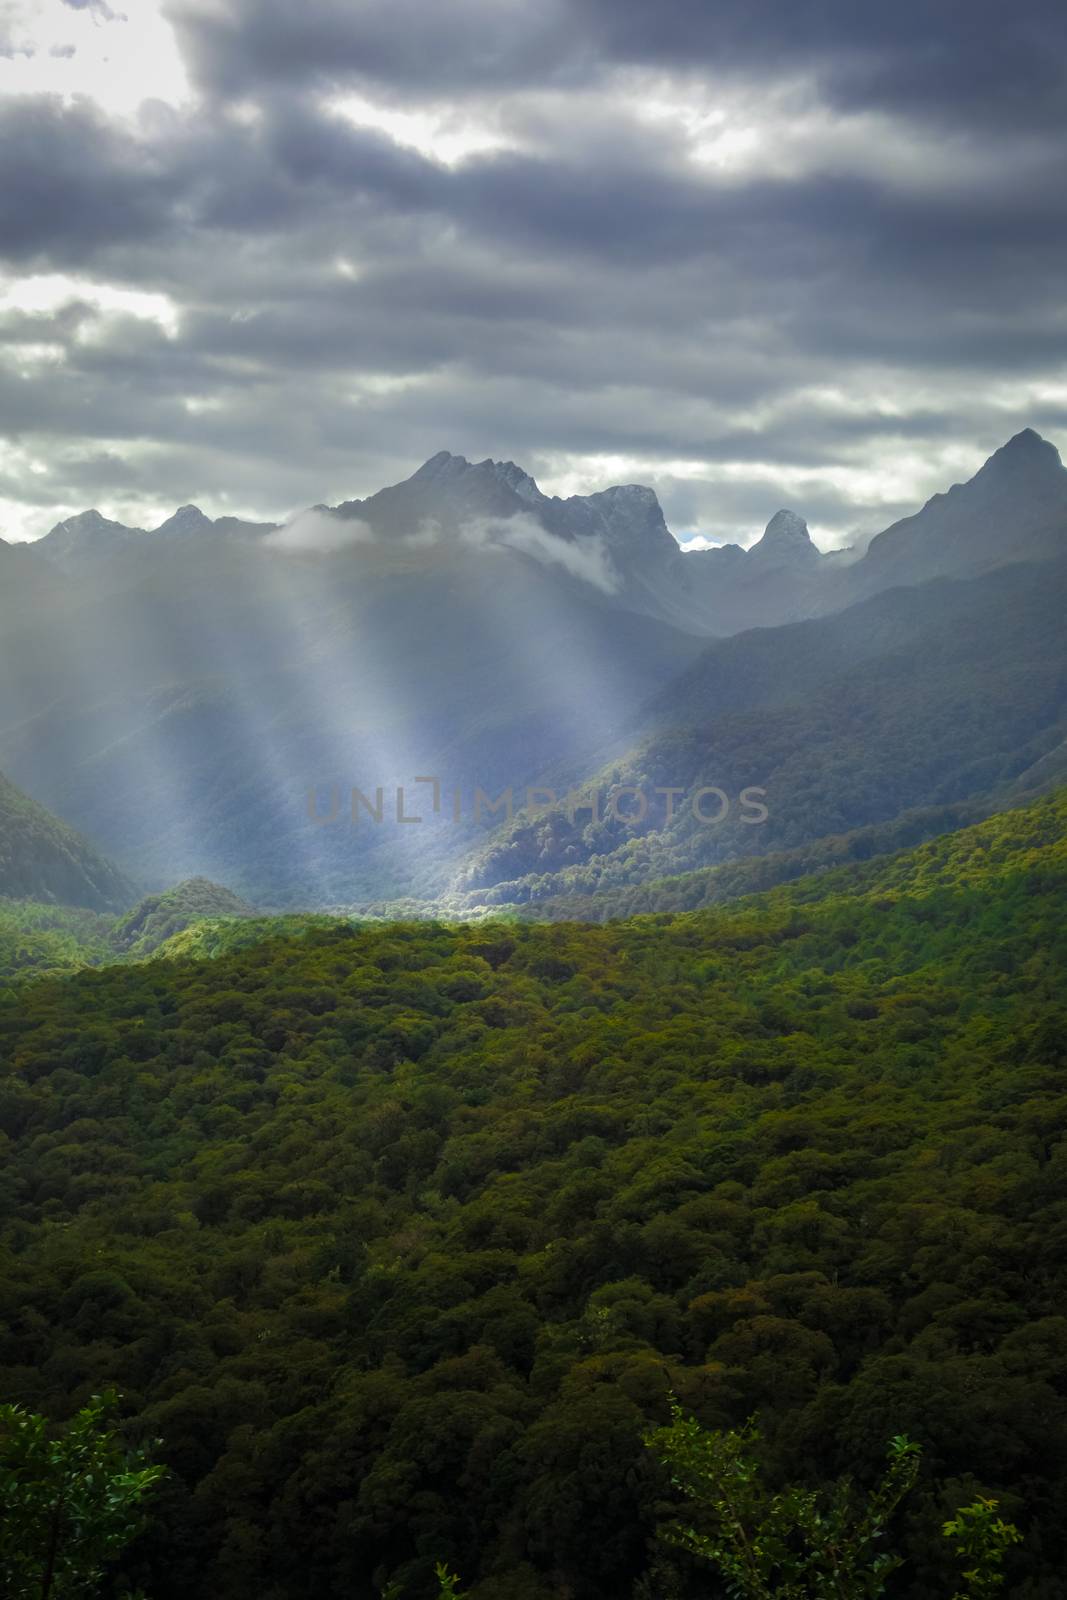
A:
[42,859]
[916,698]
[81,543]
[184,715]
[180,700]
[587,896]
[780,578]
[28,585]
[1014,508]
[619,532]
[425,1223]
[786,542]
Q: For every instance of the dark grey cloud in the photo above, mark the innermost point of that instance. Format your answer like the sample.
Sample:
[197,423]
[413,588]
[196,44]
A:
[879,279]
[944,60]
[410,46]
[983,59]
[70,182]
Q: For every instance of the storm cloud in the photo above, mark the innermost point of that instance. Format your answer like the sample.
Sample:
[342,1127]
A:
[753,255]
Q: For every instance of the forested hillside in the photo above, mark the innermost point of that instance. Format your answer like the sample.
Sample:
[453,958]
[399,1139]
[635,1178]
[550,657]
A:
[927,698]
[732,880]
[464,625]
[42,859]
[399,1235]
[38,938]
[160,917]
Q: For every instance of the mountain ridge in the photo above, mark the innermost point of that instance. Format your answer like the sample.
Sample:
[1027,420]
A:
[1023,485]
[497,637]
[932,696]
[1013,508]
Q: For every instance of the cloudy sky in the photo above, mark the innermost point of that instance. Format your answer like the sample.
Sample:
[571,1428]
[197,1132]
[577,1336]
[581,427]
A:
[259,254]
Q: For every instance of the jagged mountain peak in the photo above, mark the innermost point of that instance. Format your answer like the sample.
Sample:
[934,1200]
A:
[83,519]
[785,539]
[445,468]
[89,522]
[516,479]
[1014,508]
[443,464]
[78,542]
[1025,453]
[627,494]
[1026,462]
[1025,437]
[786,527]
[187,519]
[632,518]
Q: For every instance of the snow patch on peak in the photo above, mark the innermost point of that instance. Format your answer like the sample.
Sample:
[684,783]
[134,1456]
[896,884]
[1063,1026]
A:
[629,505]
[629,494]
[518,481]
[443,465]
[786,527]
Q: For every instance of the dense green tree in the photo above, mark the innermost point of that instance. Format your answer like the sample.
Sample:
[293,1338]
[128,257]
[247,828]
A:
[800,1542]
[70,1501]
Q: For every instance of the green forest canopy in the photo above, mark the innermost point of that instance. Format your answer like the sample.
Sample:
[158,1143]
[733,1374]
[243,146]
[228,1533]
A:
[400,1235]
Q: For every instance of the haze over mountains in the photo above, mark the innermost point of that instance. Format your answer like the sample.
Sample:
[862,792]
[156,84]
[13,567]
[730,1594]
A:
[916,700]
[617,539]
[41,859]
[175,694]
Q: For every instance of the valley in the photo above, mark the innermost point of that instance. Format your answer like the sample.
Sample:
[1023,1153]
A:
[709,1051]
[533,800]
[179,702]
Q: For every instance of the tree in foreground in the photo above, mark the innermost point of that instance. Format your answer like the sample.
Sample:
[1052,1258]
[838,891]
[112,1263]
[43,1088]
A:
[70,1502]
[982,1539]
[805,1544]
[447,1581]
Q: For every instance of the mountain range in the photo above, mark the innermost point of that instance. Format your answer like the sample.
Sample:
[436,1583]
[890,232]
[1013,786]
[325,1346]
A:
[178,694]
[618,539]
[400,1177]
